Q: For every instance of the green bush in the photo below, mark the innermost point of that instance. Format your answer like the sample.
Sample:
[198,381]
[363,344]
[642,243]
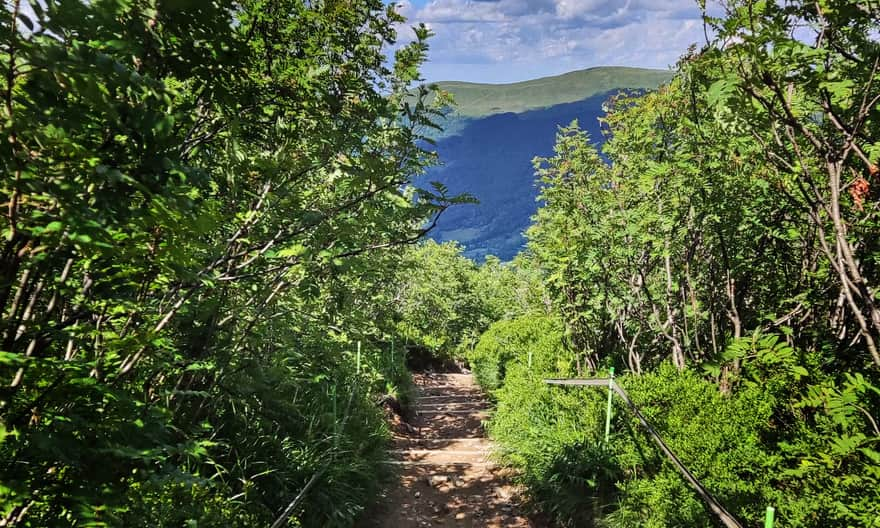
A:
[514,341]
[719,438]
[784,436]
[553,436]
[175,504]
[438,304]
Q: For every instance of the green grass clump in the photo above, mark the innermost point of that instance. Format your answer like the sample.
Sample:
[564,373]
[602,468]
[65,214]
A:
[552,437]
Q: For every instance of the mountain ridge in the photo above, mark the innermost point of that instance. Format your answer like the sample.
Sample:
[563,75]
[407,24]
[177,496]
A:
[474,100]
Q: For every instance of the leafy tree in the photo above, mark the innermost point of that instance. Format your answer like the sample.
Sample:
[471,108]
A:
[438,304]
[727,229]
[200,197]
[800,79]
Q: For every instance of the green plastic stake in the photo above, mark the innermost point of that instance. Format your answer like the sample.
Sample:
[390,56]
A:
[530,360]
[608,410]
[768,520]
[335,417]
[359,358]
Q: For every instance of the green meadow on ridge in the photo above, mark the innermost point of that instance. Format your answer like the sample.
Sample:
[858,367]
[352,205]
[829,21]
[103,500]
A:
[475,100]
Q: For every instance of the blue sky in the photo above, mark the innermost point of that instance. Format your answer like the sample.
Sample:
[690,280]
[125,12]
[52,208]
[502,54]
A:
[512,40]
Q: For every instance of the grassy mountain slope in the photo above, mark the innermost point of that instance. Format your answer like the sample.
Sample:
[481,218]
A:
[491,158]
[488,146]
[478,100]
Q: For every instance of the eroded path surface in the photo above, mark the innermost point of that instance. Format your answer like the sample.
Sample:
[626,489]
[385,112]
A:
[446,476]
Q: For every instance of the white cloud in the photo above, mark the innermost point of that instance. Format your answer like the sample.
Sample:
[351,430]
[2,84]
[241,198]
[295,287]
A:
[590,9]
[507,40]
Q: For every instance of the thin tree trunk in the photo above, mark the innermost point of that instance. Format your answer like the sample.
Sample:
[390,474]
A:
[850,273]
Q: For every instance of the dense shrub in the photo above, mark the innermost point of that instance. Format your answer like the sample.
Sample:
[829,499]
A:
[516,340]
[553,437]
[718,437]
[440,308]
[445,301]
[785,437]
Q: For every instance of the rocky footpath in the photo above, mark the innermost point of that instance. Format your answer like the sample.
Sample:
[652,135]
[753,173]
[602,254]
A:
[446,475]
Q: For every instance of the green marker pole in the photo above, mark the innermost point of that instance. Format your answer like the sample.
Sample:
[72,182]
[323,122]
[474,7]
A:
[530,360]
[335,417]
[359,358]
[608,410]
[768,520]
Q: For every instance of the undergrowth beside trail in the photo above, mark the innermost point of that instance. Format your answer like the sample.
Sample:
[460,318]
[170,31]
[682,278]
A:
[747,448]
[328,426]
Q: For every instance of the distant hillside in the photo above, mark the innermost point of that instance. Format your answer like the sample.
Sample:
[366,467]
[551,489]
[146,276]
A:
[488,147]
[478,100]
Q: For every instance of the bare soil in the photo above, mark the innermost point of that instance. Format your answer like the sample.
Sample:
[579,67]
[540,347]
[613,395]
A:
[446,475]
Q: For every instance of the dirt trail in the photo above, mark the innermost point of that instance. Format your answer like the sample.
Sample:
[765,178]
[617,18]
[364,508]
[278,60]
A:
[446,475]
